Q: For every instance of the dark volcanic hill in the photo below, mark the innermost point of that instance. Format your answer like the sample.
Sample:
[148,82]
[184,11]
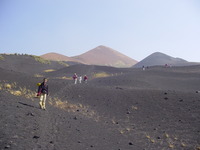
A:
[89,70]
[130,109]
[160,59]
[28,64]
[106,56]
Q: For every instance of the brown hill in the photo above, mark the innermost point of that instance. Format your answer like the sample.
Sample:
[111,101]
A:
[106,56]
[58,57]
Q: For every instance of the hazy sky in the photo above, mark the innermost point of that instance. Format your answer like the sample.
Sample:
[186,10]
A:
[136,28]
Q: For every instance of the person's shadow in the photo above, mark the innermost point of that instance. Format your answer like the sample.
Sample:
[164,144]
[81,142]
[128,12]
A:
[27,105]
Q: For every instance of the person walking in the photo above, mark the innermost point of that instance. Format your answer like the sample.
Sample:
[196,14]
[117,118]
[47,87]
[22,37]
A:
[143,68]
[75,77]
[43,92]
[85,79]
[80,79]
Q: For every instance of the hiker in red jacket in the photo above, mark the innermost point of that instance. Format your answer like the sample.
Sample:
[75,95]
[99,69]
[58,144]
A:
[43,92]
[75,77]
[85,79]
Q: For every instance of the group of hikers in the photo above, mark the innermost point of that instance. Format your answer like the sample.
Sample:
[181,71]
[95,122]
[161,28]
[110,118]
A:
[166,66]
[43,89]
[79,78]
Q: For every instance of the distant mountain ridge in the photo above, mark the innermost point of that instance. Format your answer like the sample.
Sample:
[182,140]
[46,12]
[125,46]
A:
[105,56]
[159,59]
[100,55]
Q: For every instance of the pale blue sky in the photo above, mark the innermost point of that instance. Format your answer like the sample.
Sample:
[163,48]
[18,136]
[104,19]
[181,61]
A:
[136,28]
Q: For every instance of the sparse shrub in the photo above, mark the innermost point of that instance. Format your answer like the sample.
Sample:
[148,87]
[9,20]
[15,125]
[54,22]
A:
[152,141]
[171,145]
[63,63]
[198,148]
[175,138]
[14,85]
[60,104]
[128,129]
[38,75]
[26,92]
[13,89]
[166,135]
[30,94]
[113,121]
[183,144]
[72,106]
[121,131]
[148,136]
[65,105]
[120,64]
[1,57]
[16,93]
[65,78]
[134,108]
[49,70]
[68,78]
[41,60]
[7,86]
[101,75]
[23,90]
[1,86]
[80,105]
